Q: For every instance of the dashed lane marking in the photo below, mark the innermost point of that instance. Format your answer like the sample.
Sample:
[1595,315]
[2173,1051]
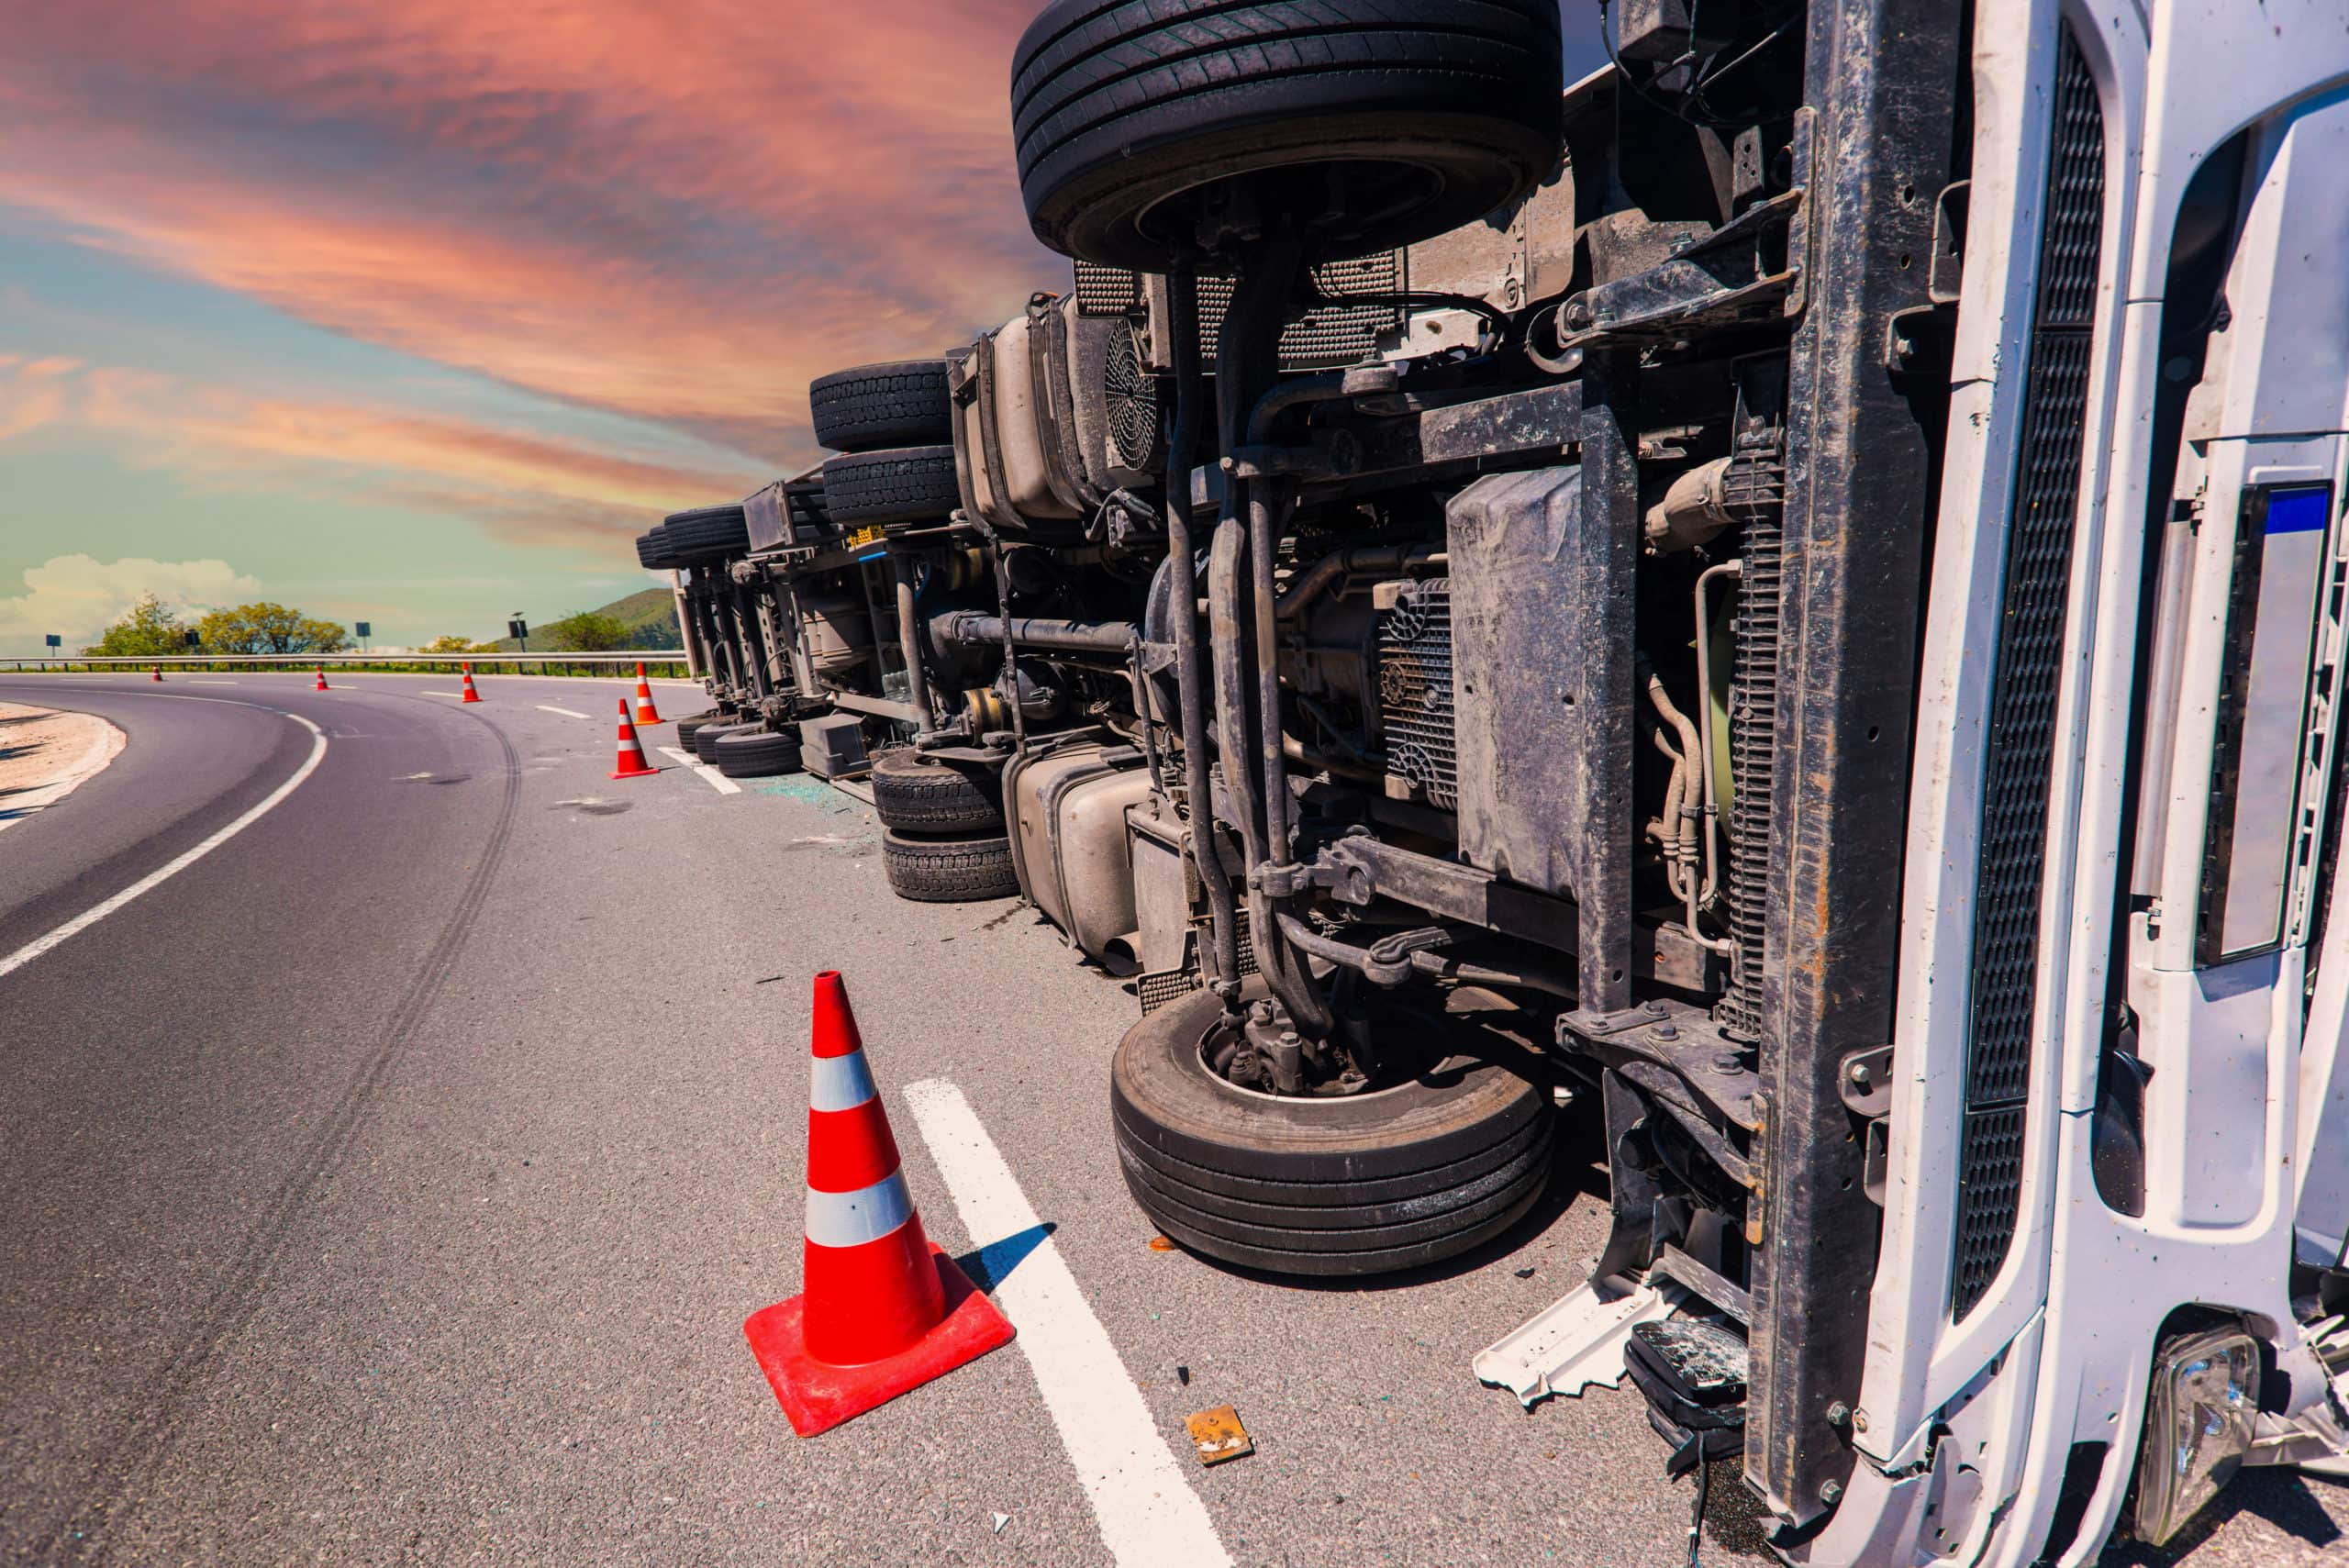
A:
[1149,1516]
[156,878]
[440,693]
[567,713]
[709,775]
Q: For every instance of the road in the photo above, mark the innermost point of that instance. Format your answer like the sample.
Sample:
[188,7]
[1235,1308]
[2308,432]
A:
[389,1184]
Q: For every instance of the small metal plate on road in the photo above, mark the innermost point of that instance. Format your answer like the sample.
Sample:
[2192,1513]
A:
[1219,1436]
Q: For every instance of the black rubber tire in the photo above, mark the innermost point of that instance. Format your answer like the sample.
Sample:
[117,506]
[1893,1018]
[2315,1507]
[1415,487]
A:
[901,484]
[752,753]
[1365,1184]
[872,407]
[653,551]
[1425,114]
[921,794]
[705,738]
[948,871]
[707,533]
[688,728]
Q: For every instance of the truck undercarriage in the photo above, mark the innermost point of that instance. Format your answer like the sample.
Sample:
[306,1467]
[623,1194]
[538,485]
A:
[1787,596]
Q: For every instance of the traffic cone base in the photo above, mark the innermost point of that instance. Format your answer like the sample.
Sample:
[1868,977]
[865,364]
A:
[817,1396]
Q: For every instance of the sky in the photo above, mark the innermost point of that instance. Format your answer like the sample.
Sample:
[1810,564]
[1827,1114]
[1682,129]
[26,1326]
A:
[418,311]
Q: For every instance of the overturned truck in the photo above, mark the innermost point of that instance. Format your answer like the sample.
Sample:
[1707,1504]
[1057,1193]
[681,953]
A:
[1789,593]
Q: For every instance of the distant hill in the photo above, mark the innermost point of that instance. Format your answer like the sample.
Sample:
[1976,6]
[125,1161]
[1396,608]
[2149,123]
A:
[651,616]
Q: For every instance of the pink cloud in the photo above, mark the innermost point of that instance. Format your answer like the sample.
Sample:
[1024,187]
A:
[681,211]
[522,485]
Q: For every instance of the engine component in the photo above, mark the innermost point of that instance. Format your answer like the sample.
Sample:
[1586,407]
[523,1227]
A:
[1416,714]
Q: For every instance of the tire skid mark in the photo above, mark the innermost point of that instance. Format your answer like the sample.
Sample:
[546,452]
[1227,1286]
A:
[123,1473]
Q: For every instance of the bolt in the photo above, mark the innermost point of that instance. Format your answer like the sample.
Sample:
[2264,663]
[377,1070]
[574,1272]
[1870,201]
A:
[1831,1492]
[1727,1061]
[1859,1420]
[1839,1415]
[1666,1031]
[1860,1073]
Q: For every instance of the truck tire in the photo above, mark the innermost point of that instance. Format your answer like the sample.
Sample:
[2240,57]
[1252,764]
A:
[921,794]
[901,484]
[653,551]
[1400,118]
[756,754]
[948,871]
[902,403]
[688,728]
[707,534]
[1362,1185]
[705,738]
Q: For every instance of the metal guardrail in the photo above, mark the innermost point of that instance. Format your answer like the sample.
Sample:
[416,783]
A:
[667,662]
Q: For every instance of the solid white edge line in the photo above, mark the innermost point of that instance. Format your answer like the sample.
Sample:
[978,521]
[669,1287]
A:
[156,878]
[567,713]
[1149,1516]
[709,775]
[440,693]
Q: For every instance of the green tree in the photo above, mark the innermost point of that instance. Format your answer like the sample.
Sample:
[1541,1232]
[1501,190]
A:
[587,631]
[265,628]
[149,630]
[451,643]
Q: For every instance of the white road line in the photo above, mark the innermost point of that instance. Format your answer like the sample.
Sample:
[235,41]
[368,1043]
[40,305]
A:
[200,681]
[1149,1517]
[156,878]
[440,693]
[709,775]
[567,713]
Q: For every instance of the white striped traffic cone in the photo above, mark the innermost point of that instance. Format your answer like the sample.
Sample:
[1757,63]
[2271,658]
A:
[882,1309]
[471,695]
[632,763]
[645,712]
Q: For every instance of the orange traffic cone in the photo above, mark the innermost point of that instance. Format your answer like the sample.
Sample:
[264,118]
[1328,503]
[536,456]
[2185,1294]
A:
[632,763]
[471,695]
[645,712]
[322,678]
[158,671]
[884,1311]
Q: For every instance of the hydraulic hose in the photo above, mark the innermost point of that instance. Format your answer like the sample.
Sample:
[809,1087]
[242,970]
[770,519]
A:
[1182,450]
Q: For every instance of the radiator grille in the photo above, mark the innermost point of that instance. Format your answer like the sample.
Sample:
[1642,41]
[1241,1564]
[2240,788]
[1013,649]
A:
[1325,337]
[1153,991]
[1760,500]
[1415,696]
[2012,872]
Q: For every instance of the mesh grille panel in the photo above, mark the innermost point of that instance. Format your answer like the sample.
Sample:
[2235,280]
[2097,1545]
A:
[1415,699]
[2012,872]
[1325,337]
[1153,991]
[1753,729]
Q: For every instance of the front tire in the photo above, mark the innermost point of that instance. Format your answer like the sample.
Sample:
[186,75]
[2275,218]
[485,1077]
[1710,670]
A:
[1339,1186]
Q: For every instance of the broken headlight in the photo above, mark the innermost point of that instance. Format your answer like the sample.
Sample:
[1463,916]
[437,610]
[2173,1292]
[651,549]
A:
[2198,1427]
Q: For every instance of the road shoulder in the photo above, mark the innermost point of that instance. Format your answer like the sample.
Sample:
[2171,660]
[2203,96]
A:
[46,754]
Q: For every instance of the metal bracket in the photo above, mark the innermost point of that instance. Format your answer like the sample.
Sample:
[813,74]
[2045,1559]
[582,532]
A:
[1865,1081]
[1599,1025]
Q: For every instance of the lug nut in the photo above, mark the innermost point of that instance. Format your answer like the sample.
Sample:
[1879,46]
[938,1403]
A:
[1839,1415]
[1831,1492]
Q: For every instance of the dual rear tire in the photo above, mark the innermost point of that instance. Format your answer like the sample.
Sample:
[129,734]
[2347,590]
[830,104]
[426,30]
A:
[944,840]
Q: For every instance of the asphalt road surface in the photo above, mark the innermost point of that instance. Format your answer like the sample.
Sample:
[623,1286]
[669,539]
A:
[389,1183]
